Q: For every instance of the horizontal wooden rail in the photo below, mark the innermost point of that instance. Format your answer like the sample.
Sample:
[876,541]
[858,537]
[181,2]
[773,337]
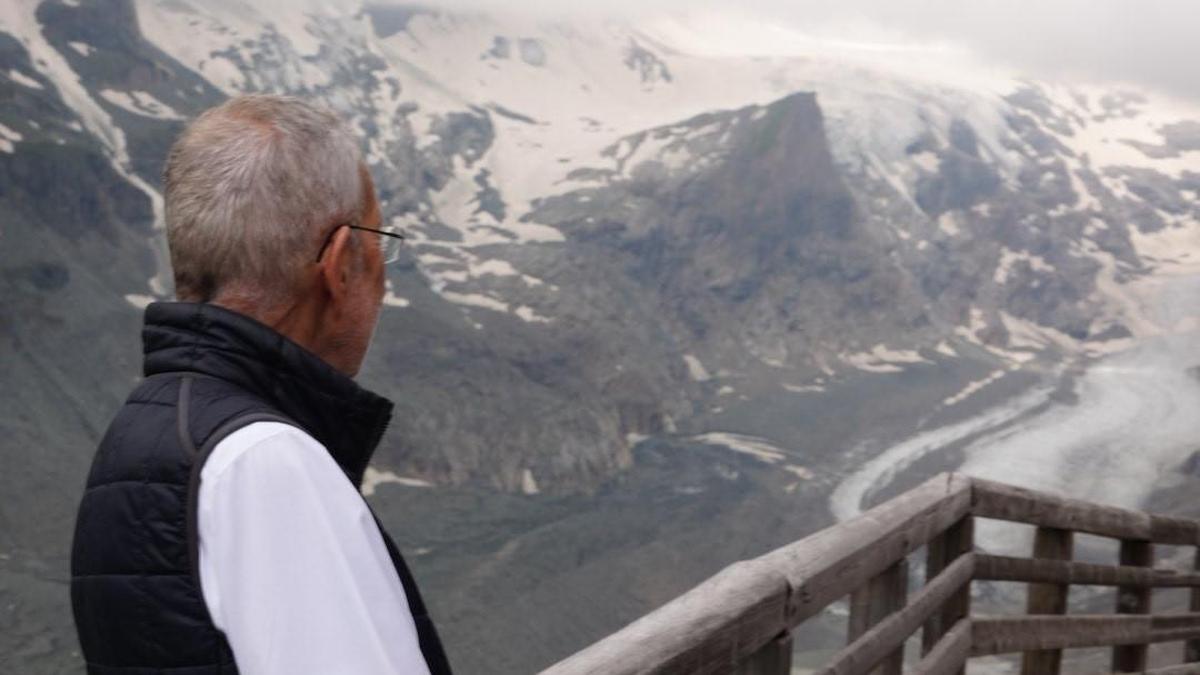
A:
[1041,570]
[832,563]
[1019,634]
[1007,502]
[1185,669]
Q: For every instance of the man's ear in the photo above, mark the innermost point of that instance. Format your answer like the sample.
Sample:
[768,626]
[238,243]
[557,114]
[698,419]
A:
[337,263]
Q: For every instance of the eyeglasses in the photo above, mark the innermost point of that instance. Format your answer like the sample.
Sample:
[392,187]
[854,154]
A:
[390,242]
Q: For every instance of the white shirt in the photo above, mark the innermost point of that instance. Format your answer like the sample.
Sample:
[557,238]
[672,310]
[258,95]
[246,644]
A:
[292,566]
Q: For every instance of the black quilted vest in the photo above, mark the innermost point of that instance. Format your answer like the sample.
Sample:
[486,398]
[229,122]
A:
[135,587]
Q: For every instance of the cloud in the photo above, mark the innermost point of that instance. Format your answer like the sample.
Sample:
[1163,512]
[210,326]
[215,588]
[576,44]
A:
[1148,42]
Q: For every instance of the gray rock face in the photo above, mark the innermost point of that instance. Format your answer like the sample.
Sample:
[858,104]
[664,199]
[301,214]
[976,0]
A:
[646,63]
[704,271]
[531,52]
[753,247]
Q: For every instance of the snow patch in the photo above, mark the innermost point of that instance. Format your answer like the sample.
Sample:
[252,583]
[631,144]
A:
[23,79]
[373,478]
[1025,334]
[948,223]
[1113,140]
[973,387]
[391,299]
[140,103]
[499,268]
[138,300]
[527,314]
[803,388]
[1086,200]
[696,369]
[475,300]
[758,448]
[971,330]
[881,359]
[1009,256]
[1123,305]
[1168,247]
[926,160]
[801,472]
[8,139]
[457,205]
[529,484]
[82,48]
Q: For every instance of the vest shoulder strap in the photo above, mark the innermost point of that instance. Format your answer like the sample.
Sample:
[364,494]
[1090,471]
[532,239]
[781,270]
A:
[200,456]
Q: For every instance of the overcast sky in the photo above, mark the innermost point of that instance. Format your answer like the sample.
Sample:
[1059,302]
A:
[1150,42]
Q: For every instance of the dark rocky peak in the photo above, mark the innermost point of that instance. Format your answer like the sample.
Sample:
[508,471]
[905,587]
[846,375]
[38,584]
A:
[649,67]
[389,19]
[744,228]
[746,186]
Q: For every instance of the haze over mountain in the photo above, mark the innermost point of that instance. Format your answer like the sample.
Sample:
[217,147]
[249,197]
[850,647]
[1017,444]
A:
[661,299]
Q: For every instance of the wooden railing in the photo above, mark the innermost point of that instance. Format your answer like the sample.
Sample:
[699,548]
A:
[741,620]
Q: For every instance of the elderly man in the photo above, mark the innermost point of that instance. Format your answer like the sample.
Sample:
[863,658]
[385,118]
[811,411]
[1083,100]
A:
[222,529]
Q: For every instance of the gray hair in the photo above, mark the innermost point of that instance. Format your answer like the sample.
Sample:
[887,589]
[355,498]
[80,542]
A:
[251,186]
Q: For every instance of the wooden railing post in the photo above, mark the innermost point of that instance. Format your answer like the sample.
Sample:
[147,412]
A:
[1133,600]
[872,603]
[1053,544]
[942,551]
[775,658]
[740,620]
[1191,648]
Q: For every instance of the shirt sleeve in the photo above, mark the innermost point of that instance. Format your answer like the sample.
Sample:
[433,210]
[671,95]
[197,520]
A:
[293,568]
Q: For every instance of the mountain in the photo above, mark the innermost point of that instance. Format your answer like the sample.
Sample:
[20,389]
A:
[650,287]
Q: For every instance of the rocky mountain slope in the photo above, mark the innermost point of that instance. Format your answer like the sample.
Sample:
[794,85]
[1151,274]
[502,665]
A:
[577,246]
[615,233]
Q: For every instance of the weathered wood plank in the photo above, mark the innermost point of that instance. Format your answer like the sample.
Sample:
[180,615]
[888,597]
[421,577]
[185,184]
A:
[1131,658]
[941,552]
[1007,502]
[1019,634]
[1175,531]
[774,658]
[1174,634]
[1170,621]
[1182,669]
[1174,627]
[1191,648]
[1185,669]
[883,595]
[873,646]
[949,655]
[832,563]
[1004,568]
[710,629]
[1053,544]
